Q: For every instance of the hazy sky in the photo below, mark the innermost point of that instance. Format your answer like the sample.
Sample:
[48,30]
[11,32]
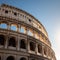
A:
[47,12]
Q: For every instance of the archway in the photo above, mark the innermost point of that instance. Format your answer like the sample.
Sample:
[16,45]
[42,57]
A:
[32,46]
[22,44]
[10,58]
[12,42]
[2,38]
[23,58]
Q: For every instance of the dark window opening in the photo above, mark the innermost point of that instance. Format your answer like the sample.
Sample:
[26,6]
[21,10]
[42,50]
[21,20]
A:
[15,14]
[2,38]
[23,58]
[10,58]
[0,57]
[39,48]
[32,46]
[22,44]
[6,11]
[32,59]
[29,20]
[12,42]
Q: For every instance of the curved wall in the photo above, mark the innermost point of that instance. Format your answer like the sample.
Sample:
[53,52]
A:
[23,36]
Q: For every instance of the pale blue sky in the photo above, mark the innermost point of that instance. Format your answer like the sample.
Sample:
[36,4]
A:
[47,12]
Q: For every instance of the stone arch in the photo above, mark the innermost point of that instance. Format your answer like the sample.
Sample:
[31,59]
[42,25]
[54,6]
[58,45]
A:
[32,59]
[23,58]
[0,57]
[30,32]
[39,48]
[12,42]
[10,58]
[32,46]
[3,25]
[22,44]
[23,29]
[13,27]
[2,39]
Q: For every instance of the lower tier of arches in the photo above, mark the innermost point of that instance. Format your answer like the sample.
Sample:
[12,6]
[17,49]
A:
[9,56]
[12,41]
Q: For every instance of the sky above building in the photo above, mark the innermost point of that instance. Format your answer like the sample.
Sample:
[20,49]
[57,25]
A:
[47,12]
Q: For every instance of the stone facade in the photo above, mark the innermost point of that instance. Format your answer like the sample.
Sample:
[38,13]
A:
[22,36]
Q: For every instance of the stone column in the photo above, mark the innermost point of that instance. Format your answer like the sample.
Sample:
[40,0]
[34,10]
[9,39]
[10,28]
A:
[28,46]
[18,44]
[6,42]
[9,26]
[36,49]
[17,28]
[42,50]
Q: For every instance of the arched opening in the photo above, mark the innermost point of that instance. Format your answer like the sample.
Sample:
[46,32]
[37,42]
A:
[45,50]
[23,58]
[22,30]
[2,38]
[39,48]
[10,58]
[32,59]
[12,42]
[3,25]
[15,13]
[14,27]
[30,33]
[22,44]
[6,11]
[0,57]
[36,35]
[32,46]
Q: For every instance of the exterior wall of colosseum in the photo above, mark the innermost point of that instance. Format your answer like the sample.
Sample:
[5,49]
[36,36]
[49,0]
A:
[22,36]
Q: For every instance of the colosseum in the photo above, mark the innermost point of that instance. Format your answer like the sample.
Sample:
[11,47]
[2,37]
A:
[22,36]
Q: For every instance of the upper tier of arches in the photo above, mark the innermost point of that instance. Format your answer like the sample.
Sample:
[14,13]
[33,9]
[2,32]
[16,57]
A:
[18,14]
[25,30]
